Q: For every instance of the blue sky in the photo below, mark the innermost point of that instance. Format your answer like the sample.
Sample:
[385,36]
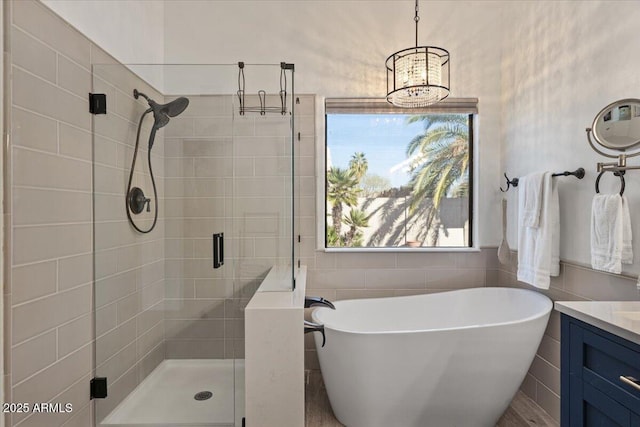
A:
[382,137]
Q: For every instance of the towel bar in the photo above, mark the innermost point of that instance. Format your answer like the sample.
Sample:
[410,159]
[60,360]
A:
[578,173]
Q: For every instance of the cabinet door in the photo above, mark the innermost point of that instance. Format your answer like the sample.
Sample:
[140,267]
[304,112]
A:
[601,411]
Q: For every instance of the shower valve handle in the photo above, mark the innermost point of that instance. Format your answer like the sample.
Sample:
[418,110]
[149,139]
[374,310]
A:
[137,200]
[315,327]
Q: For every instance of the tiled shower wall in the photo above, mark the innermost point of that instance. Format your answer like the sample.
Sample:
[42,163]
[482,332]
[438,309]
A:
[225,173]
[129,266]
[199,168]
[48,214]
[574,283]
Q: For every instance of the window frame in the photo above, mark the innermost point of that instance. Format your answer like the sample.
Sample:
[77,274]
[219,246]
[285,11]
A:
[381,106]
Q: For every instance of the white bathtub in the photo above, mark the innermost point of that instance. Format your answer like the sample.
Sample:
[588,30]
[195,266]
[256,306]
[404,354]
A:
[451,359]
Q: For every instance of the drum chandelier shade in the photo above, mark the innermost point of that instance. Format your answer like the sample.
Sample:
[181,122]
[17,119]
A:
[417,76]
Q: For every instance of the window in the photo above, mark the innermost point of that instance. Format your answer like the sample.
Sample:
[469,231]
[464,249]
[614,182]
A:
[398,178]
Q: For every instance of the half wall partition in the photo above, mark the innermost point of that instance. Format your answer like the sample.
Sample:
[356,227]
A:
[169,321]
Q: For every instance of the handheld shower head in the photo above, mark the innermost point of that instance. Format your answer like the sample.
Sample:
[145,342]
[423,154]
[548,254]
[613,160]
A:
[175,107]
[162,112]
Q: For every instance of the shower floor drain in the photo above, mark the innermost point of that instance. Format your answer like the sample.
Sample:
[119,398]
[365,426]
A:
[203,395]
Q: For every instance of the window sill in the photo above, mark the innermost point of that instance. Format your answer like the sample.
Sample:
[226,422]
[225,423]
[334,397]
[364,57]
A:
[399,250]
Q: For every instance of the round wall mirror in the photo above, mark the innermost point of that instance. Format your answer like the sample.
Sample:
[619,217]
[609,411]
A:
[617,126]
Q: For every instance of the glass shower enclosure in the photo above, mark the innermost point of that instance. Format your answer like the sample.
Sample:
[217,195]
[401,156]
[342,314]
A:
[184,236]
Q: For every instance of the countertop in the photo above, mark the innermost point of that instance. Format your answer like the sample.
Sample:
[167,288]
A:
[621,318]
[275,291]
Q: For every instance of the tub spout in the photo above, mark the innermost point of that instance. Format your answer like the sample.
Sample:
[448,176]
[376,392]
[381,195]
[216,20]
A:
[314,327]
[314,301]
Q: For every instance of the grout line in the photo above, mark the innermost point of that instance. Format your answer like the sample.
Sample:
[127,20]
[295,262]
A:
[53,295]
[44,42]
[47,332]
[51,365]
[50,154]
[49,83]
[57,276]
[39,335]
[49,225]
[26,264]
[72,418]
[35,113]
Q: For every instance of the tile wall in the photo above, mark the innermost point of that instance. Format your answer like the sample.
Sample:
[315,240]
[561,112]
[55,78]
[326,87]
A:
[129,266]
[575,283]
[49,211]
[199,168]
[48,214]
[225,173]
[48,207]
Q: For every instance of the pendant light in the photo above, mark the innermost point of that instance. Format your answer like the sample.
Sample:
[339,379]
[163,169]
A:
[417,76]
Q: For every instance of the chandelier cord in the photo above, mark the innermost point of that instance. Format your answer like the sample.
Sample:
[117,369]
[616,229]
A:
[417,19]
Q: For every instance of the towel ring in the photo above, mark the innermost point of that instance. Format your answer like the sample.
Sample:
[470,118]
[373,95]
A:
[617,173]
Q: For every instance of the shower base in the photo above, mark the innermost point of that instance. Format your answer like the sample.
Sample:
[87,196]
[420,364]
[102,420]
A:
[166,397]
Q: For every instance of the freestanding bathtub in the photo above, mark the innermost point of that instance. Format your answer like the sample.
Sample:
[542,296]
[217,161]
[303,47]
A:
[451,359]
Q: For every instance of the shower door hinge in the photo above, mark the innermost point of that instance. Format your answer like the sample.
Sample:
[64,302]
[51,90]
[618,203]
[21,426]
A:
[298,263]
[98,388]
[97,103]
[298,136]
[299,238]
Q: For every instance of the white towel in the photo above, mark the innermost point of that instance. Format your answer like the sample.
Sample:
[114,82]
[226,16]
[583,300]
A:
[531,193]
[627,244]
[539,247]
[610,233]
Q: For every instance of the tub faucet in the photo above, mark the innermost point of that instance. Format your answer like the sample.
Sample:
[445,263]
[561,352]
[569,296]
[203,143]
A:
[313,301]
[314,327]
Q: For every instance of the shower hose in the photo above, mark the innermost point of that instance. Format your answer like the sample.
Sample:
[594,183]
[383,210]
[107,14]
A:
[153,181]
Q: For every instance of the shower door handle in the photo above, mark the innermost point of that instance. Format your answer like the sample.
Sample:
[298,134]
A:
[218,250]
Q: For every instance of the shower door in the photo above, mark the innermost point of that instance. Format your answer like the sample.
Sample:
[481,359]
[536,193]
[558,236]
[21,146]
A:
[169,303]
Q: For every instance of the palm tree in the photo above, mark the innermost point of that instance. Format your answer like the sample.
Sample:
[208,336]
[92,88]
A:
[341,190]
[333,239]
[356,219]
[440,158]
[359,165]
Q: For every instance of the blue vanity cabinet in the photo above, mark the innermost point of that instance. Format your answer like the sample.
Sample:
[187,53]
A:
[592,392]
